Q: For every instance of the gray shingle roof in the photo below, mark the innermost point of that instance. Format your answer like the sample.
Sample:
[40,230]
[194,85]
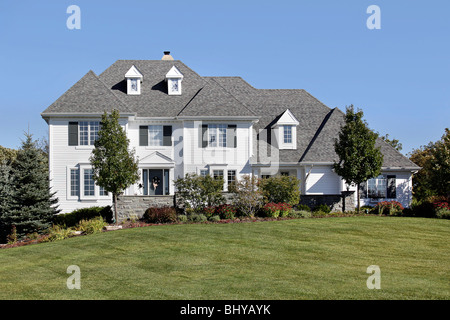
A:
[215,96]
[88,95]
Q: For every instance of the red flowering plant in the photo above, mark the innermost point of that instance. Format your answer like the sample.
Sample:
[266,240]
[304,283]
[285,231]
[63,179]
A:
[209,211]
[441,205]
[226,211]
[388,207]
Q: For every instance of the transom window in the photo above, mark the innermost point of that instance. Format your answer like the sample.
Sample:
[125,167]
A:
[287,134]
[88,132]
[217,135]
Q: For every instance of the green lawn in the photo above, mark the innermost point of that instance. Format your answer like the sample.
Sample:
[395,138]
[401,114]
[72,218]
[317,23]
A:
[291,259]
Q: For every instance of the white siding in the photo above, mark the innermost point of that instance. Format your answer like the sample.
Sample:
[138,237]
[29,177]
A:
[322,180]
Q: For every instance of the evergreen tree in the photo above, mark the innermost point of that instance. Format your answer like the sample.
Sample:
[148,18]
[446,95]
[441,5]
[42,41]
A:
[359,159]
[6,193]
[32,206]
[114,166]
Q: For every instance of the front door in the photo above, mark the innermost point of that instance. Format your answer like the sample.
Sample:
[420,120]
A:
[155,182]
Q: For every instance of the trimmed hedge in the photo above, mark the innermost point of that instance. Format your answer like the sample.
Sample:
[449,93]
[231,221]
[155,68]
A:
[73,218]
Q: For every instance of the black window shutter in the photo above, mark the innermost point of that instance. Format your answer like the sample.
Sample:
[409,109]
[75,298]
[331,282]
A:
[203,139]
[73,133]
[167,136]
[143,135]
[231,136]
[391,187]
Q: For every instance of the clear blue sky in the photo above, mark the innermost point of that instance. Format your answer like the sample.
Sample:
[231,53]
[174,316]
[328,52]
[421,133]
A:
[398,75]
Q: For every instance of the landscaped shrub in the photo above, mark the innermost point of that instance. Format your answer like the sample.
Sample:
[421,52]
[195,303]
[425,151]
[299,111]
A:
[303,207]
[73,218]
[281,189]
[442,213]
[215,218]
[226,211]
[388,208]
[195,217]
[274,210]
[57,232]
[199,192]
[322,208]
[160,215]
[92,226]
[209,211]
[247,196]
[299,214]
[182,218]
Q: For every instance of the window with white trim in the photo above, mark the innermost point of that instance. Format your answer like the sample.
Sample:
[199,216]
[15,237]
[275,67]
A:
[155,135]
[74,182]
[88,132]
[89,184]
[376,187]
[287,134]
[217,135]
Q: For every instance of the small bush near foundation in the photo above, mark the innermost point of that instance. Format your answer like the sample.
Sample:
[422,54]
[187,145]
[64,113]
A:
[323,208]
[71,219]
[197,217]
[303,207]
[92,226]
[215,218]
[160,215]
[182,218]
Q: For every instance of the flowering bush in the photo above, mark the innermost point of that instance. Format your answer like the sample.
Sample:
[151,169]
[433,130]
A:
[209,211]
[441,205]
[388,207]
[226,211]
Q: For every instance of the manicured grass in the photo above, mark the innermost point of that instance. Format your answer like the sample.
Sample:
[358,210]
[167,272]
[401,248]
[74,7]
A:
[292,259]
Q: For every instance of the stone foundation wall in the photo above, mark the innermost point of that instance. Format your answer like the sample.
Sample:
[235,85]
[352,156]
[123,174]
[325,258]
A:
[334,201]
[134,207]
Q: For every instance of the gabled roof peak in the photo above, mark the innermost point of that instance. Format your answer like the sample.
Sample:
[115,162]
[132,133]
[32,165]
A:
[133,72]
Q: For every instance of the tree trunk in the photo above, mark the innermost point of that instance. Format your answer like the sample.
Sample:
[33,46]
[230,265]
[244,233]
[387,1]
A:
[357,197]
[115,208]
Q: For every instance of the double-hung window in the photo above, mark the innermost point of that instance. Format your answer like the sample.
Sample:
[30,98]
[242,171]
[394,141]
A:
[287,134]
[231,177]
[217,135]
[155,135]
[88,132]
[74,182]
[89,184]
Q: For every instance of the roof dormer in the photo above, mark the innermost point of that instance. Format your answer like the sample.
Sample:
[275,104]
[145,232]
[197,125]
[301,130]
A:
[173,79]
[285,130]
[134,80]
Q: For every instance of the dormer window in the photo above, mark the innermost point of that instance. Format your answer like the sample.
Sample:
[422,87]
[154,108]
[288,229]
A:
[285,130]
[134,80]
[174,78]
[287,134]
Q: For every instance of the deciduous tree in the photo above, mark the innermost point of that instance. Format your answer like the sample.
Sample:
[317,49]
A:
[359,159]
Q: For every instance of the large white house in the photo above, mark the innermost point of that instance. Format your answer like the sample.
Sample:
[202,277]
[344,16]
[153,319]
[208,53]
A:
[180,122]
